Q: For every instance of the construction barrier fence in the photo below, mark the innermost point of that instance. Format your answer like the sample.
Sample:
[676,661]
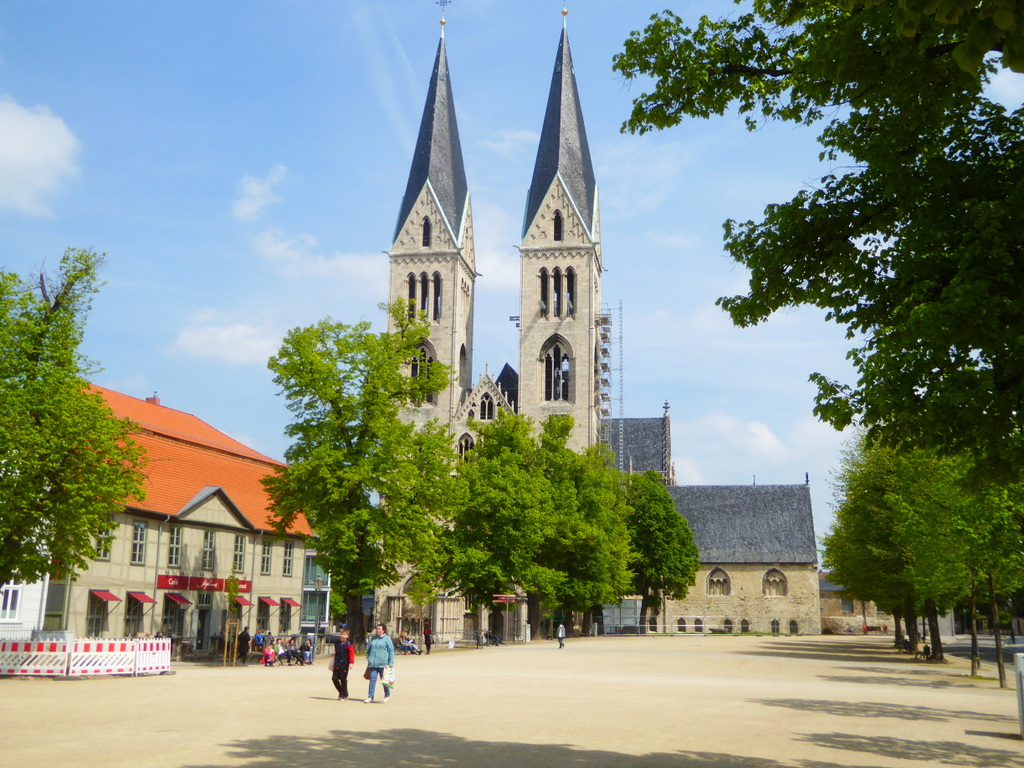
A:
[80,658]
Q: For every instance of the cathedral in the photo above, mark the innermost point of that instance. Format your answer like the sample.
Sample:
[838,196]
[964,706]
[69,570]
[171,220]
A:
[563,340]
[759,560]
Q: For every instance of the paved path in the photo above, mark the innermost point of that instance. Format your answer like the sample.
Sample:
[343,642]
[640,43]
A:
[652,702]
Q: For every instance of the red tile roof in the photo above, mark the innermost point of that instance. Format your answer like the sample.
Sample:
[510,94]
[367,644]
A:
[187,455]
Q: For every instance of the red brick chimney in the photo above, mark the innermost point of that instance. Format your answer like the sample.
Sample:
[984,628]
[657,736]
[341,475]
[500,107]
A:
[154,399]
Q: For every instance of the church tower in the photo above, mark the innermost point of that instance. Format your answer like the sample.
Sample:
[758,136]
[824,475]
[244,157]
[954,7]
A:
[560,269]
[433,265]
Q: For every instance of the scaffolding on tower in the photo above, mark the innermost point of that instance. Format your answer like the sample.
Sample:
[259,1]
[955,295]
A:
[604,395]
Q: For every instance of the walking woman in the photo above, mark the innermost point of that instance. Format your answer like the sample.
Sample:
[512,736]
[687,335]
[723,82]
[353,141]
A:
[380,653]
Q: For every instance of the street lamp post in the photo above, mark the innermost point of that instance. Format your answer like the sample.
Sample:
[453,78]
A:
[318,582]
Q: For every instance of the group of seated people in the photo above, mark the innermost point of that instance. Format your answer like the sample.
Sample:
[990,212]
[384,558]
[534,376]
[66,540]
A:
[407,645]
[281,652]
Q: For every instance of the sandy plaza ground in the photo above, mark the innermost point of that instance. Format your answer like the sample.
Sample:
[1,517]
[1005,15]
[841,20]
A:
[651,702]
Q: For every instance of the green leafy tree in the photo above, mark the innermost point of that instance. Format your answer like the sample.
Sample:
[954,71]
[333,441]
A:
[373,488]
[493,543]
[591,543]
[914,239]
[66,464]
[667,558]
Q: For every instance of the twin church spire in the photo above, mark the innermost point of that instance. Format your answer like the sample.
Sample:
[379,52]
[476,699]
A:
[433,266]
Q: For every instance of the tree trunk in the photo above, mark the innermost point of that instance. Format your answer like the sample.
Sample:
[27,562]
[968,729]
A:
[972,605]
[533,614]
[355,620]
[897,630]
[993,607]
[932,611]
[911,622]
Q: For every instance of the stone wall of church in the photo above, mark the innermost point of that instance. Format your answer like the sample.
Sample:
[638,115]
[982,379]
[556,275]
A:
[745,600]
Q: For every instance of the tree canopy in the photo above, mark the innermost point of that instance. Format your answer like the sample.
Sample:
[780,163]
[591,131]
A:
[913,241]
[667,559]
[66,463]
[373,487]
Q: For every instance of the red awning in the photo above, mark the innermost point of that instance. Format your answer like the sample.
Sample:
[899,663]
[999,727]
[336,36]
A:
[242,601]
[292,603]
[174,597]
[142,597]
[102,594]
[269,601]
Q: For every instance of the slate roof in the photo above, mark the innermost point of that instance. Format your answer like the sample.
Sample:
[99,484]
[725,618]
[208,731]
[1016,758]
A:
[437,159]
[563,149]
[508,380]
[642,443]
[188,458]
[749,523]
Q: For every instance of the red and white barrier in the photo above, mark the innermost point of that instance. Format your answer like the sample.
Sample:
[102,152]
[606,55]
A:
[102,657]
[81,658]
[33,657]
[153,656]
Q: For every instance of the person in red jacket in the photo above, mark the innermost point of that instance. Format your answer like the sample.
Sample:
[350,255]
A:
[344,660]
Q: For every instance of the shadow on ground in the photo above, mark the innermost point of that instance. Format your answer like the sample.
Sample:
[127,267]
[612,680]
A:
[880,709]
[426,749]
[864,680]
[931,752]
[866,652]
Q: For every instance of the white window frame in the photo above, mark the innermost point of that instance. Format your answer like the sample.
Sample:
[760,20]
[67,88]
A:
[265,557]
[289,556]
[209,550]
[140,530]
[238,562]
[174,546]
[10,601]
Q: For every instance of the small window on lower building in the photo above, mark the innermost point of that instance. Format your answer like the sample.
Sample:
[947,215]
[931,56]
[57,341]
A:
[794,628]
[698,625]
[728,626]
[681,625]
[775,626]
[744,625]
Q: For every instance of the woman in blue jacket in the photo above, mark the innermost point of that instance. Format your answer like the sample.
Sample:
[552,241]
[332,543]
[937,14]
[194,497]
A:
[380,653]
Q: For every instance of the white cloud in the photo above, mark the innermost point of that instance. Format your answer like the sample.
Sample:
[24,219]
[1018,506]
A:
[37,154]
[298,259]
[512,143]
[496,231]
[231,339]
[255,195]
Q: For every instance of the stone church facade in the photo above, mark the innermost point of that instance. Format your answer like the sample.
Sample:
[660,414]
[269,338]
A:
[563,361]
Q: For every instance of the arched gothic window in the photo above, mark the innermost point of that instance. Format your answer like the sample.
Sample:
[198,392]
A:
[557,372]
[421,364]
[719,583]
[486,408]
[774,584]
[466,445]
[424,293]
[570,292]
[556,278]
[426,232]
[412,295]
[558,225]
[544,303]
[437,296]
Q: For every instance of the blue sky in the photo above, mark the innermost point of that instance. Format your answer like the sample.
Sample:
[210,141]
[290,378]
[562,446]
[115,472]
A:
[242,164]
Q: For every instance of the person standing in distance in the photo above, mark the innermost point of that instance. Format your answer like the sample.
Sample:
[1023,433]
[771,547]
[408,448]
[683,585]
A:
[427,639]
[561,635]
[380,653]
[243,646]
[344,660]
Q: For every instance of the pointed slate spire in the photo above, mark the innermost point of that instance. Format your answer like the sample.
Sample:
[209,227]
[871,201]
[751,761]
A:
[563,147]
[438,156]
